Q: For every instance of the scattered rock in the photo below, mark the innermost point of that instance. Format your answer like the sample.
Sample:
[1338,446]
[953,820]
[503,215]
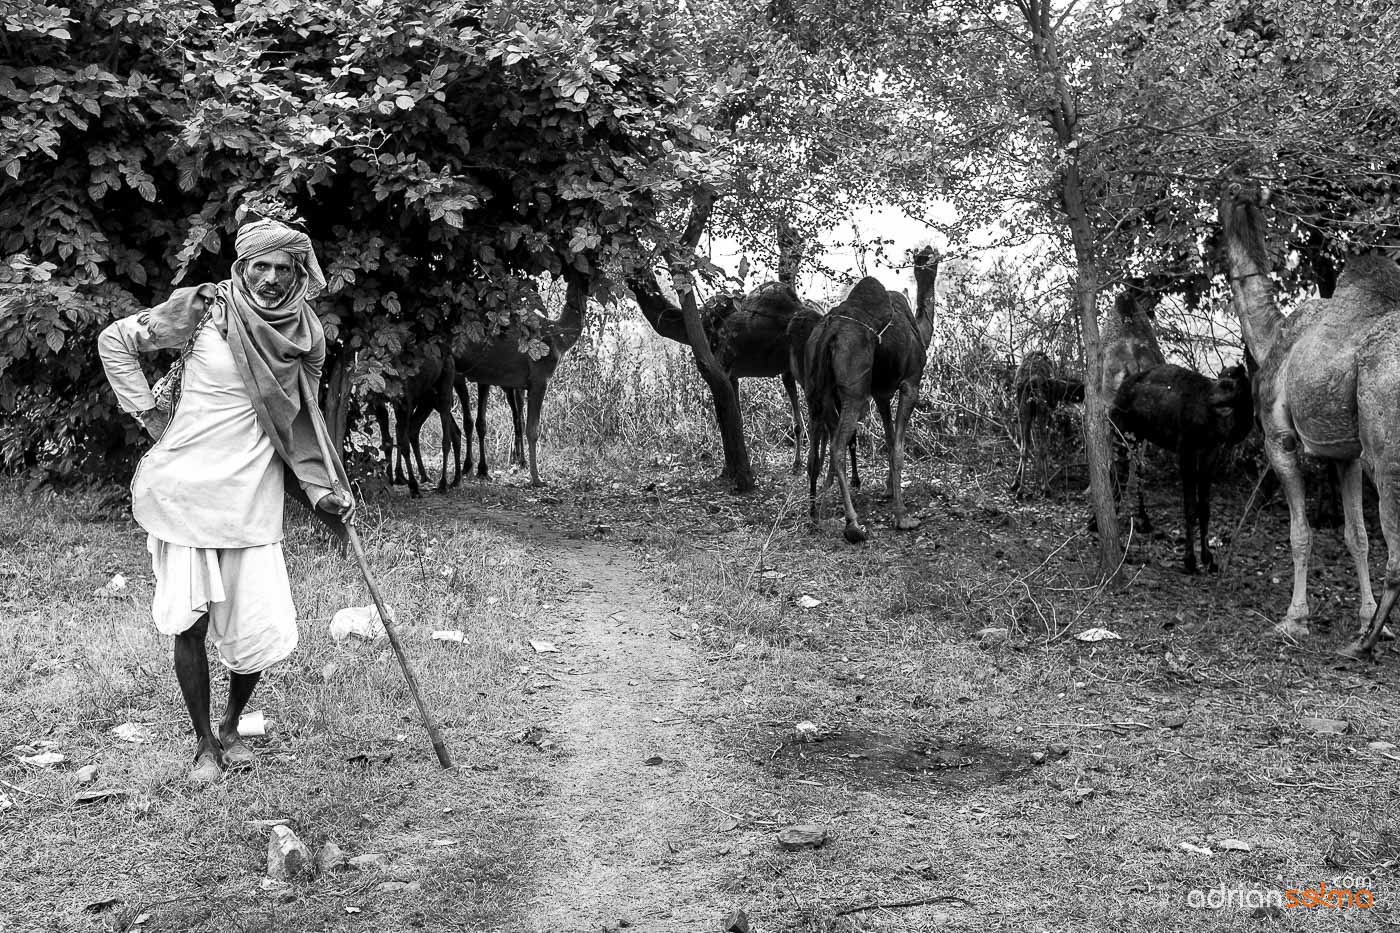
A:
[105,793]
[456,635]
[132,732]
[112,587]
[1058,749]
[87,774]
[287,856]
[805,836]
[369,861]
[1267,912]
[1381,746]
[1234,845]
[1175,720]
[359,621]
[993,636]
[1097,634]
[1195,849]
[653,761]
[44,759]
[1038,758]
[543,647]
[807,731]
[399,887]
[736,922]
[808,602]
[329,858]
[1319,725]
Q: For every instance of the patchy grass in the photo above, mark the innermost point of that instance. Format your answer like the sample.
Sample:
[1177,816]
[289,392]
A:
[78,665]
[1013,781]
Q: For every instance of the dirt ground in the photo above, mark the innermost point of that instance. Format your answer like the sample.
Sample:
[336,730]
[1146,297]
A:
[672,676]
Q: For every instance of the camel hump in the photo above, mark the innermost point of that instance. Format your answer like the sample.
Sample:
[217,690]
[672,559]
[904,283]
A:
[868,295]
[1373,274]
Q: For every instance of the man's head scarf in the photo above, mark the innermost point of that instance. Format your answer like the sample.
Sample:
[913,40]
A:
[279,351]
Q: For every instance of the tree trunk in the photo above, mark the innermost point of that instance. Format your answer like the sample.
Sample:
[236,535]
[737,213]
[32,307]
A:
[1098,442]
[727,411]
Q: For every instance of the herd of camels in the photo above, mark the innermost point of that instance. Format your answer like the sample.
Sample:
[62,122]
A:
[1323,381]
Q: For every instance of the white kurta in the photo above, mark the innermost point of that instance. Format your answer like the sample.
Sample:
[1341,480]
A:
[213,480]
[209,493]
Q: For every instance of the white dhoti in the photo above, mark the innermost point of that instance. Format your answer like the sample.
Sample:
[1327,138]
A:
[245,591]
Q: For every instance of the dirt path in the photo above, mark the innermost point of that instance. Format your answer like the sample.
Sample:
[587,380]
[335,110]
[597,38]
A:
[624,844]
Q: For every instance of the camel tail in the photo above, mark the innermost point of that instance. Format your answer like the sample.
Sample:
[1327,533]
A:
[822,401]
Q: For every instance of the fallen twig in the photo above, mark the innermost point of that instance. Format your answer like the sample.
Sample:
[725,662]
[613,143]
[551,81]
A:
[916,902]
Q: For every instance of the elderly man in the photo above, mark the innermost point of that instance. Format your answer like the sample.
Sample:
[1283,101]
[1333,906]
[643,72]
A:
[209,492]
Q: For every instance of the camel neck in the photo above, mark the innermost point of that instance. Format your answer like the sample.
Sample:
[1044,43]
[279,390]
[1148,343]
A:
[1253,292]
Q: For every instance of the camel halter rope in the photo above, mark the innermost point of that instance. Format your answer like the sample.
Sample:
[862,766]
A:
[879,334]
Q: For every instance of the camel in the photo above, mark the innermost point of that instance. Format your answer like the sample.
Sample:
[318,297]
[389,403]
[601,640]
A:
[872,345]
[515,397]
[1328,380]
[498,361]
[799,331]
[1039,391]
[1127,342]
[1181,410]
[749,335]
[424,392]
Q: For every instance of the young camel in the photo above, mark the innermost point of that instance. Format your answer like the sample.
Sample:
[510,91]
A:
[870,346]
[1181,410]
[799,331]
[1328,380]
[427,390]
[498,360]
[1039,391]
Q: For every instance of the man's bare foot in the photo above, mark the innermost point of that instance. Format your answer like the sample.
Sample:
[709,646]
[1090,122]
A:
[207,769]
[237,754]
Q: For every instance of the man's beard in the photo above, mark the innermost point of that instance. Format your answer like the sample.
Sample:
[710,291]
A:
[269,296]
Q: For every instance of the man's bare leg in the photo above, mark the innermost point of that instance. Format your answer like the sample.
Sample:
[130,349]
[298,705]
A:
[192,673]
[240,688]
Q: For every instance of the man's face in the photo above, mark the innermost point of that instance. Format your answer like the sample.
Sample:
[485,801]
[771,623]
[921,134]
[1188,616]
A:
[270,277]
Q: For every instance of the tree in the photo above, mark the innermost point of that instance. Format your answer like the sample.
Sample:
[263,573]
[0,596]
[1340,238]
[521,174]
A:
[439,156]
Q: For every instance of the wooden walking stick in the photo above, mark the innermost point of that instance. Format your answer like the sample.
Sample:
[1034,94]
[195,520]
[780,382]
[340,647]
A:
[429,723]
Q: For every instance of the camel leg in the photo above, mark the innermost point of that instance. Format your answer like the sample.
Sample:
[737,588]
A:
[417,418]
[790,385]
[1205,475]
[1023,437]
[1354,531]
[1290,477]
[517,420]
[855,464]
[908,395]
[401,420]
[1388,485]
[816,450]
[1186,460]
[882,405]
[534,400]
[464,398]
[483,393]
[386,440]
[840,440]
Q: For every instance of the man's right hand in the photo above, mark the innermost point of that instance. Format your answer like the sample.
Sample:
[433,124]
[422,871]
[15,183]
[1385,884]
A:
[154,421]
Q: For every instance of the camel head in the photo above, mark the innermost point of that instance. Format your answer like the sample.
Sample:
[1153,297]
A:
[1232,403]
[925,261]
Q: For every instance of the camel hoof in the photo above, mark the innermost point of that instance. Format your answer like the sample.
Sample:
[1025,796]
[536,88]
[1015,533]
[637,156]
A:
[854,533]
[1292,628]
[1356,651]
[906,523]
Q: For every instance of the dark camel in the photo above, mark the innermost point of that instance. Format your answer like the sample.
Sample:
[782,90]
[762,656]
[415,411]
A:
[1197,417]
[515,398]
[1039,391]
[427,390]
[872,345]
[499,361]
[1328,381]
[799,331]
[748,334]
